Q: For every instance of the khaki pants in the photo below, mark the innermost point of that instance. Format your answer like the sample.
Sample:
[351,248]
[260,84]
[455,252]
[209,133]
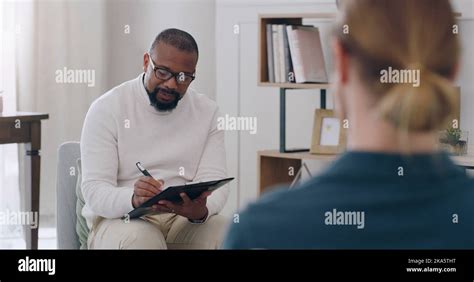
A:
[163,231]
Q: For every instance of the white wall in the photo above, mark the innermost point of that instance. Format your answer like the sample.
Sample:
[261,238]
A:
[146,19]
[239,95]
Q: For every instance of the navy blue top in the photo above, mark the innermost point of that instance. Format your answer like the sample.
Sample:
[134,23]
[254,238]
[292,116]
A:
[423,201]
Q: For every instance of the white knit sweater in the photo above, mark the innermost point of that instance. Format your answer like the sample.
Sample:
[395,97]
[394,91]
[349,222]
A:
[122,128]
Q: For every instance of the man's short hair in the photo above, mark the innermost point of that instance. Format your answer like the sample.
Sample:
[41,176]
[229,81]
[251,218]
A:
[177,38]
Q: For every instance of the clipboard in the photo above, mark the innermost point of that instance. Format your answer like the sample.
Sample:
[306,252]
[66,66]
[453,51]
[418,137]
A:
[171,194]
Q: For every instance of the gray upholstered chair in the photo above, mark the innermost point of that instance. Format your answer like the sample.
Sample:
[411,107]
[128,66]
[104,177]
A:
[67,214]
[68,153]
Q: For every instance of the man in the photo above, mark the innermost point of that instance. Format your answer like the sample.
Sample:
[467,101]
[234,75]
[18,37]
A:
[155,119]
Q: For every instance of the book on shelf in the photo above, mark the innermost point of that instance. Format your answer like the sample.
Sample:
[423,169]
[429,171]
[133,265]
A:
[271,68]
[281,52]
[295,54]
[307,54]
[276,52]
[287,57]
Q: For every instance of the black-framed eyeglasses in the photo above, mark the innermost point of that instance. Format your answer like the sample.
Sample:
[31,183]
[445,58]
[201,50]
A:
[164,74]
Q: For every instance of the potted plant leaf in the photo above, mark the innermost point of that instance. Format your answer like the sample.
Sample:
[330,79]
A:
[454,140]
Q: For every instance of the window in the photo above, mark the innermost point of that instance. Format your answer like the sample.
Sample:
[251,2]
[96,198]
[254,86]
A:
[10,235]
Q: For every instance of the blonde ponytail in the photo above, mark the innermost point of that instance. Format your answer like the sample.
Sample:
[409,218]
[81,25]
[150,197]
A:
[406,35]
[422,108]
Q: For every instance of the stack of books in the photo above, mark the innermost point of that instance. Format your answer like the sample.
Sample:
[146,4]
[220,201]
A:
[295,54]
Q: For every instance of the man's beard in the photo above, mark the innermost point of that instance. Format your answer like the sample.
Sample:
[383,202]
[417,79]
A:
[163,106]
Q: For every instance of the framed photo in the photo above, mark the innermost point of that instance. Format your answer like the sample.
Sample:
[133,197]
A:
[329,136]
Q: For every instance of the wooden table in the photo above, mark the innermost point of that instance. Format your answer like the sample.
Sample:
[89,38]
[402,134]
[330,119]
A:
[25,127]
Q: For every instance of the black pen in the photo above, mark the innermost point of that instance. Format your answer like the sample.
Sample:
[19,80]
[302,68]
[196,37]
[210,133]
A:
[143,170]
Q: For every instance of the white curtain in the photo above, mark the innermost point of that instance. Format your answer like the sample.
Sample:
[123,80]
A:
[10,234]
[40,38]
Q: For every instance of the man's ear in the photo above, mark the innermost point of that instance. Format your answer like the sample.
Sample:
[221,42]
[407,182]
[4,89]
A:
[145,61]
[341,62]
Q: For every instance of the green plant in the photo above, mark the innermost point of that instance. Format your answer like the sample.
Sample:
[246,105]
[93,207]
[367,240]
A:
[453,135]
[454,141]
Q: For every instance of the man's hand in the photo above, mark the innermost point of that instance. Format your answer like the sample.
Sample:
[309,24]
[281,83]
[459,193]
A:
[145,188]
[192,209]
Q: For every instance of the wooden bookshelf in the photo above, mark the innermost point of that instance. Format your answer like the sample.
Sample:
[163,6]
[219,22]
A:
[296,85]
[273,167]
[295,156]
[263,75]
[290,19]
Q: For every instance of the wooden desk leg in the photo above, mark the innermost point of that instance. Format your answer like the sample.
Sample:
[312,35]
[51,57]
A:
[32,174]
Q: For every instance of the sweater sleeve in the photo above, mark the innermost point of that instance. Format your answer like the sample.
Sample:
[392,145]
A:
[212,166]
[100,162]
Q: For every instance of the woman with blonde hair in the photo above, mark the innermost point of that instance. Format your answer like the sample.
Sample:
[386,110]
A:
[395,61]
